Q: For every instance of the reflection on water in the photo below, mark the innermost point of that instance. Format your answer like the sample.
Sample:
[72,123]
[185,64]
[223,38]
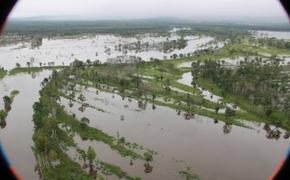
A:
[194,143]
[227,128]
[105,154]
[16,137]
[212,150]
[274,132]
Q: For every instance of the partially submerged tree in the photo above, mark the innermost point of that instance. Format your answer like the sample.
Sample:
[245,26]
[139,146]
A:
[148,158]
[91,154]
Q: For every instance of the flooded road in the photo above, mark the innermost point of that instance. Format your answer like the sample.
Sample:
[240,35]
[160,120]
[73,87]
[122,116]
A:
[211,149]
[16,137]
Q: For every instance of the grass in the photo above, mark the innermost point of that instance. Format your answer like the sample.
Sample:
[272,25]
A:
[32,69]
[253,112]
[170,74]
[14,93]
[109,168]
[90,133]
[188,175]
[48,115]
[3,73]
[155,87]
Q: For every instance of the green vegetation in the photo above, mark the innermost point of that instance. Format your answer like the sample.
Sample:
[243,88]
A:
[112,169]
[3,73]
[51,141]
[32,69]
[271,43]
[258,87]
[187,175]
[169,46]
[14,93]
[75,29]
[7,100]
[131,80]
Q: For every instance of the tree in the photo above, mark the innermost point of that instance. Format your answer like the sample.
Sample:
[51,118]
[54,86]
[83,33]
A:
[230,113]
[81,97]
[122,140]
[167,84]
[268,110]
[217,109]
[148,158]
[174,56]
[85,120]
[7,103]
[89,62]
[41,141]
[52,155]
[83,155]
[3,124]
[91,154]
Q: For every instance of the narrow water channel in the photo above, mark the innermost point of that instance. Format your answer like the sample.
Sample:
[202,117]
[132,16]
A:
[16,137]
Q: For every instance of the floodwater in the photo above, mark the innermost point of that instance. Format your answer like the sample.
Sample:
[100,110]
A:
[16,137]
[276,34]
[285,59]
[186,79]
[212,150]
[185,65]
[100,47]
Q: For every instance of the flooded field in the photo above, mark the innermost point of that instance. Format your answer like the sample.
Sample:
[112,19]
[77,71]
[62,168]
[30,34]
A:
[152,107]
[187,80]
[209,148]
[16,137]
[213,150]
[276,34]
[101,47]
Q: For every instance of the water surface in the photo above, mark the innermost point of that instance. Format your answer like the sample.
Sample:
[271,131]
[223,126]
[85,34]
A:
[212,150]
[16,137]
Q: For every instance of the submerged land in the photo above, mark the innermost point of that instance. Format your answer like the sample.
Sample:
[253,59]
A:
[148,101]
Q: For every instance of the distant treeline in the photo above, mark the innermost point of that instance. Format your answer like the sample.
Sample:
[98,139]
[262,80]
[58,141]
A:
[70,28]
[129,27]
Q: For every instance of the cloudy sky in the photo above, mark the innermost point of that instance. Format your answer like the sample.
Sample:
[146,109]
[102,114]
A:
[128,9]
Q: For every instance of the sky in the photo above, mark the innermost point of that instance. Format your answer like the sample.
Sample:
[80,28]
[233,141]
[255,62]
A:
[136,9]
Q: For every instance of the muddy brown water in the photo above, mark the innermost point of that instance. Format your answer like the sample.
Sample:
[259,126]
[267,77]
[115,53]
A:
[198,143]
[16,137]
